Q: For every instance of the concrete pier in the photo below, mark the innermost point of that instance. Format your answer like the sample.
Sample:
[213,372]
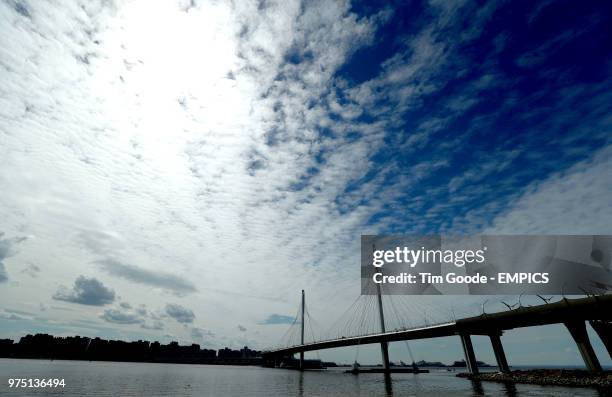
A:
[468,350]
[578,331]
[604,331]
[500,355]
[384,347]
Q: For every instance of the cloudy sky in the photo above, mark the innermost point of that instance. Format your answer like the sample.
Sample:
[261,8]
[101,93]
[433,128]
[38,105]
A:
[180,170]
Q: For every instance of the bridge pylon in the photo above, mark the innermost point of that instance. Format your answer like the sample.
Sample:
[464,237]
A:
[384,345]
[302,330]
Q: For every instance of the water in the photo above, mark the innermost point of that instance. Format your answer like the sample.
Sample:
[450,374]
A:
[85,378]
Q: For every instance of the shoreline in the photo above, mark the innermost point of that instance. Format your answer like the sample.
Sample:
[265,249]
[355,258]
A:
[237,363]
[547,377]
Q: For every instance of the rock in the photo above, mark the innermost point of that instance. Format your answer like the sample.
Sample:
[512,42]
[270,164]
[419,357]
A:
[552,377]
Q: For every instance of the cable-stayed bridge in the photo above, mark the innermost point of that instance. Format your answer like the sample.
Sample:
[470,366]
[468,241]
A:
[364,323]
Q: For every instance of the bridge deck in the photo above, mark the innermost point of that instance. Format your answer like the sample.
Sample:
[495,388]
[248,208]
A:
[590,308]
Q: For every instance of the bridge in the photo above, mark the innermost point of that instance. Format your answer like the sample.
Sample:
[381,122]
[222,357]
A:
[573,313]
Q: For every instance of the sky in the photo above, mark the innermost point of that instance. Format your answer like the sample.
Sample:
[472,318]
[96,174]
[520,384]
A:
[180,170]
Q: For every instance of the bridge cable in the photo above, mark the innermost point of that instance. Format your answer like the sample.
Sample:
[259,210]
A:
[292,329]
[395,312]
[310,321]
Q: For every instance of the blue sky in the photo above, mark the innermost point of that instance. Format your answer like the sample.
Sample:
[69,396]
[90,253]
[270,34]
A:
[181,170]
[511,93]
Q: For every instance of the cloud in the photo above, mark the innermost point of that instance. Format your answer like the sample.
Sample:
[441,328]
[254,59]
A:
[141,309]
[12,316]
[274,319]
[31,270]
[86,291]
[180,313]
[201,333]
[568,202]
[100,242]
[7,249]
[154,325]
[119,317]
[175,284]
[128,314]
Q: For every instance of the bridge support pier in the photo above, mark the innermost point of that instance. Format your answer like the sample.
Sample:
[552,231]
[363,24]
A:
[468,350]
[578,331]
[500,355]
[384,347]
[604,330]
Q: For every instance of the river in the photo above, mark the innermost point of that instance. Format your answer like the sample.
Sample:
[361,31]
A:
[83,378]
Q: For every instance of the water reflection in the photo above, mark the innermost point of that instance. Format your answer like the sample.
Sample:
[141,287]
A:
[309,382]
[104,379]
[388,386]
[477,388]
[301,384]
[604,392]
[510,389]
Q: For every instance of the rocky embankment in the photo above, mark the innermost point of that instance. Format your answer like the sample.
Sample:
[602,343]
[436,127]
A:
[556,377]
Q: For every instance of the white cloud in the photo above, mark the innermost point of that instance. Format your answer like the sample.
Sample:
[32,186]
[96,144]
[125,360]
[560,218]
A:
[7,249]
[119,317]
[180,313]
[568,202]
[137,135]
[86,291]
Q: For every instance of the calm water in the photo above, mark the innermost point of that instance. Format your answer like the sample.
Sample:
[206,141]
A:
[139,379]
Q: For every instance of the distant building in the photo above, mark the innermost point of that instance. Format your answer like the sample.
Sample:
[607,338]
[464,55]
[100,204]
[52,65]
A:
[6,347]
[248,353]
[227,353]
[83,348]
